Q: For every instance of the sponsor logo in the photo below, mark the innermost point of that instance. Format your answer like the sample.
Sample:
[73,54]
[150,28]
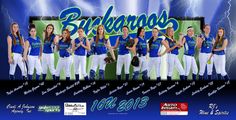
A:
[213,109]
[49,108]
[173,108]
[73,108]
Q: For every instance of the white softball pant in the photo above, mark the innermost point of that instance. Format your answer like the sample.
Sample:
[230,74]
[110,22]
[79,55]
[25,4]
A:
[143,64]
[156,63]
[189,61]
[34,62]
[48,62]
[80,65]
[172,61]
[63,63]
[123,60]
[203,58]
[98,60]
[219,62]
[18,60]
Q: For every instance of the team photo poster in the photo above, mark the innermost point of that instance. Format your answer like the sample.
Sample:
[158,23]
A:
[117,59]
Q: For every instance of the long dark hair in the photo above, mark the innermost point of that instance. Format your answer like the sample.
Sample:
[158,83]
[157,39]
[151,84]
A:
[47,36]
[139,31]
[151,39]
[17,33]
[219,40]
[97,34]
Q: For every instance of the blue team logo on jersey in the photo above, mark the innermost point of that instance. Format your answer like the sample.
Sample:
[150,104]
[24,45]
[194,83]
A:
[47,42]
[70,15]
[155,46]
[207,43]
[143,45]
[63,47]
[171,44]
[36,45]
[17,42]
[100,44]
[191,43]
[122,42]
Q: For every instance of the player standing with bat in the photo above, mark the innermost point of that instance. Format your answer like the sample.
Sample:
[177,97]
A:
[173,53]
[205,44]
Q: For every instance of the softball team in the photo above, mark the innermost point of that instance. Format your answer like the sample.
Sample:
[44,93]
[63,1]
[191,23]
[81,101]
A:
[33,53]
[80,46]
[211,51]
[154,48]
[63,46]
[15,43]
[49,40]
[173,53]
[124,57]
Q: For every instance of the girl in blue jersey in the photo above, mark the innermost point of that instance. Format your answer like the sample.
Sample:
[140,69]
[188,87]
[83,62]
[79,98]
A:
[63,46]
[124,57]
[154,48]
[100,53]
[219,54]
[80,46]
[173,60]
[205,44]
[140,49]
[50,39]
[15,42]
[189,52]
[33,53]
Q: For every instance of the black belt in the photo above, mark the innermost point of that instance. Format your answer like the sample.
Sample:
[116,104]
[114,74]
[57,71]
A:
[189,55]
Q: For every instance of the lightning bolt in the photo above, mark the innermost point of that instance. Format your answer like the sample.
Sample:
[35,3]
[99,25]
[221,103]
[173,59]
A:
[231,53]
[189,8]
[228,18]
[5,12]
